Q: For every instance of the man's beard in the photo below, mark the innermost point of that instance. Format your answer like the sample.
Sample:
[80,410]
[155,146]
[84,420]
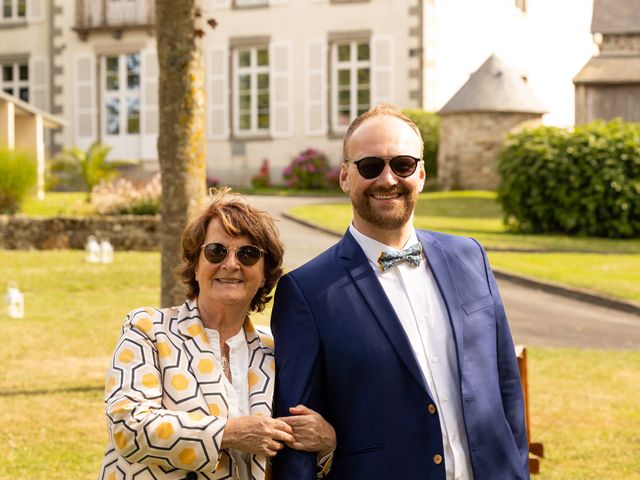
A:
[389,218]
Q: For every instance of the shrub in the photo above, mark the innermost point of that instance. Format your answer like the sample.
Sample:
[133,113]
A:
[212,181]
[18,175]
[333,177]
[122,197]
[429,125]
[582,182]
[84,170]
[307,170]
[263,178]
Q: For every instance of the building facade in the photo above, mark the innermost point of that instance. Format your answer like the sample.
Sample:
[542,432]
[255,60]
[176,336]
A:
[281,75]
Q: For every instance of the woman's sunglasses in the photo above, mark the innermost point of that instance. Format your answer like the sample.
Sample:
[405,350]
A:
[402,165]
[247,255]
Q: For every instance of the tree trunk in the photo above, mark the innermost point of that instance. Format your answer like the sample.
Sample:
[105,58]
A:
[181,139]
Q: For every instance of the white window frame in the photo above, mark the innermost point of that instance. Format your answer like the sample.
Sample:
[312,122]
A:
[16,84]
[352,65]
[124,143]
[14,11]
[253,70]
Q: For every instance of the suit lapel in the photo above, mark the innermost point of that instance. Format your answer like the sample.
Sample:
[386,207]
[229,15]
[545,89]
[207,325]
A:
[439,266]
[367,283]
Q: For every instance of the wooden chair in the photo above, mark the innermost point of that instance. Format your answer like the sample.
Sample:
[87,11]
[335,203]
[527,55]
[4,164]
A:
[536,450]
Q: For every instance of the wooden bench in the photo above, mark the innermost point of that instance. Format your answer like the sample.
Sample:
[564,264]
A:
[536,450]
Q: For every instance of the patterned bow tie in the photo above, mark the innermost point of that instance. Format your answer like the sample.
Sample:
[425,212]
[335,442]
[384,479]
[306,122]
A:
[388,259]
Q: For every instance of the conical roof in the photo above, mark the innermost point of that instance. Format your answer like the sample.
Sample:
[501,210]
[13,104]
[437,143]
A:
[494,87]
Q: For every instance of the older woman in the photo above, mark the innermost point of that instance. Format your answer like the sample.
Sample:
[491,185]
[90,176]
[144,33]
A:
[189,388]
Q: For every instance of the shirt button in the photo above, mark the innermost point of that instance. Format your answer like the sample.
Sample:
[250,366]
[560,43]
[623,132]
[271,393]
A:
[437,459]
[445,398]
[434,359]
[431,408]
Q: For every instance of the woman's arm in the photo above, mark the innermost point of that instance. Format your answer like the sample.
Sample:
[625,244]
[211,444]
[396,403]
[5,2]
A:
[257,434]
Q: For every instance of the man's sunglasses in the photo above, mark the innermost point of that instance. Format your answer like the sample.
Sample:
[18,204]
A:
[402,165]
[247,255]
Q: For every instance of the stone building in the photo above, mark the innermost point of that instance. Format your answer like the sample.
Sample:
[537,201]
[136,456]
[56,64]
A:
[475,122]
[609,84]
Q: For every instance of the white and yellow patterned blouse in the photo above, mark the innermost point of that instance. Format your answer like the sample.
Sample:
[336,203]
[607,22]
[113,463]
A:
[165,404]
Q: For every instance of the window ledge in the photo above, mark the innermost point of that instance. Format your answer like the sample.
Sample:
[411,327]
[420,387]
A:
[8,24]
[251,137]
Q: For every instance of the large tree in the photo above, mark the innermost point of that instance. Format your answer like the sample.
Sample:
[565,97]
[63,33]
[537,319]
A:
[181,139]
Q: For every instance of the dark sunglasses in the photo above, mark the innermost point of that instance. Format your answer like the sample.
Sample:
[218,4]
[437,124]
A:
[402,165]
[247,255]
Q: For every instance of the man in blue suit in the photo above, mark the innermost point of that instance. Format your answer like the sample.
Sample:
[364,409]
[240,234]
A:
[397,336]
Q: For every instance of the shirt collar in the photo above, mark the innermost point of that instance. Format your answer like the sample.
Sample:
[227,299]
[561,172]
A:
[373,248]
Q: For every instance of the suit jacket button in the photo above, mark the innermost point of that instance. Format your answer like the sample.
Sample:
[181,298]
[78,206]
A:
[191,476]
[437,459]
[431,408]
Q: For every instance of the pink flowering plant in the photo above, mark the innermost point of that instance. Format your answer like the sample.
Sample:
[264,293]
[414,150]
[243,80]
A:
[307,171]
[122,197]
[263,178]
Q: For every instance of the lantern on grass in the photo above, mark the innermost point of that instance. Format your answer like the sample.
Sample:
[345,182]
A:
[15,301]
[106,251]
[93,250]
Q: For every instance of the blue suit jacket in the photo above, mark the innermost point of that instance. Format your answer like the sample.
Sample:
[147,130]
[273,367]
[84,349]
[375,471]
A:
[341,350]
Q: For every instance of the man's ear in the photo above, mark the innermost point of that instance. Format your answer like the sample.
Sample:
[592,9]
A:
[344,177]
[422,175]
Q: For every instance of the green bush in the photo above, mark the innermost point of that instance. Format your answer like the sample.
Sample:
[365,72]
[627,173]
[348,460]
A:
[580,182]
[308,170]
[18,175]
[429,125]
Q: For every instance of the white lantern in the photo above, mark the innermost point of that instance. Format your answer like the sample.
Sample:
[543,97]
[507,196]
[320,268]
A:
[15,302]
[106,251]
[93,250]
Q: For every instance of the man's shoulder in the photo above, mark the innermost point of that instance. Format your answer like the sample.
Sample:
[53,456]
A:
[448,241]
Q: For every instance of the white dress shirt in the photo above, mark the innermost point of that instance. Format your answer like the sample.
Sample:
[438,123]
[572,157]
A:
[237,390]
[416,299]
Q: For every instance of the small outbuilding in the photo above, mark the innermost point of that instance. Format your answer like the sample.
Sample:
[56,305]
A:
[494,101]
[22,126]
[608,86]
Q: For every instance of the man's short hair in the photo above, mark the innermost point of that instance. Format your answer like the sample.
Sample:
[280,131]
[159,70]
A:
[381,110]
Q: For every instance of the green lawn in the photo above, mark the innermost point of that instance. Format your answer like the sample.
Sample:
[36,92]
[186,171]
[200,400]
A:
[57,203]
[583,402]
[613,268]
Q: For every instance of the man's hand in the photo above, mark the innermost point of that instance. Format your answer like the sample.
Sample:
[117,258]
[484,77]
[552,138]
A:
[257,434]
[311,431]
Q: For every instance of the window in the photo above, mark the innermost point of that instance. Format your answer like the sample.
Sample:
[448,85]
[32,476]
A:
[15,79]
[351,82]
[121,86]
[251,90]
[13,10]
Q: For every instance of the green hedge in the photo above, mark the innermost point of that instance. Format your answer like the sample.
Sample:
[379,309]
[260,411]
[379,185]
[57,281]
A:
[18,176]
[580,182]
[429,125]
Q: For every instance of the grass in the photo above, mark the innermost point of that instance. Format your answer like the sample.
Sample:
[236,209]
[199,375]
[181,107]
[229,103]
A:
[57,204]
[583,402]
[613,268]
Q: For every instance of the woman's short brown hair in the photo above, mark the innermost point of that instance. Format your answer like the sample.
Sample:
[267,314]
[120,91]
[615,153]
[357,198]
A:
[237,218]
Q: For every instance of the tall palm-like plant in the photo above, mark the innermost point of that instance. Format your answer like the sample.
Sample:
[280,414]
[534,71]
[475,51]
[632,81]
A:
[86,169]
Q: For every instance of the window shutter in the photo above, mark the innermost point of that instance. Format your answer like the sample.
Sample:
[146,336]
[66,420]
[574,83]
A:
[85,116]
[39,83]
[315,88]
[35,10]
[220,3]
[382,69]
[280,91]
[217,61]
[149,104]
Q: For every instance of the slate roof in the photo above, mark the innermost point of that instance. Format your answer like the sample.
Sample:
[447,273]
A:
[610,69]
[494,87]
[615,16]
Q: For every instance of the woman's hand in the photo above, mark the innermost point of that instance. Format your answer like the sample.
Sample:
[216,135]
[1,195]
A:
[257,434]
[311,431]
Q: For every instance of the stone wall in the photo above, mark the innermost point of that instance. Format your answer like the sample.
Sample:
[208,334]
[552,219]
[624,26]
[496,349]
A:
[469,144]
[127,232]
